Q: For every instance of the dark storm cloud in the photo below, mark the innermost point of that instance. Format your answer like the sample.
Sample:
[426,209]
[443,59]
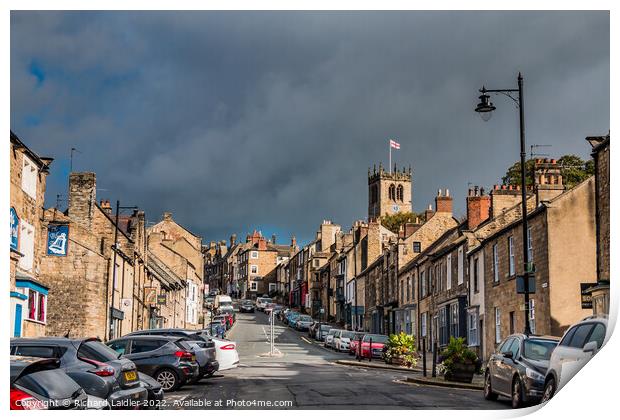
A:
[239,120]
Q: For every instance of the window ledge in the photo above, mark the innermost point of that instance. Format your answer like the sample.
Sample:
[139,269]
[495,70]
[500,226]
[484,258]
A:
[35,321]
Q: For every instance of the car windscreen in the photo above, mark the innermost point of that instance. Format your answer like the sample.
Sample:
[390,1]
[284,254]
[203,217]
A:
[347,334]
[53,384]
[376,338]
[96,350]
[538,349]
[326,327]
[305,318]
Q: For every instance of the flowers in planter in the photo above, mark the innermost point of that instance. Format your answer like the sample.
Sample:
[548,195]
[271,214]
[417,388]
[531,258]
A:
[457,356]
[400,349]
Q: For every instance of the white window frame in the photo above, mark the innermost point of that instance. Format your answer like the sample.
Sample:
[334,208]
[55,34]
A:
[30,174]
[532,316]
[254,254]
[511,256]
[253,269]
[424,324]
[423,290]
[272,287]
[495,264]
[472,329]
[449,272]
[26,245]
[26,315]
[253,286]
[498,325]
[460,266]
[454,310]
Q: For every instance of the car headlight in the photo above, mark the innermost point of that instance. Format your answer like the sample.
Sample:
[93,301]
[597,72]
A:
[532,374]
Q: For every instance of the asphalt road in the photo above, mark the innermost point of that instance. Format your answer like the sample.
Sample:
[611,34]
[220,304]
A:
[304,376]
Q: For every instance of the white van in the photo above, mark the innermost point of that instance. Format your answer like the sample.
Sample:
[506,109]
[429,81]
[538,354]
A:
[262,302]
[222,300]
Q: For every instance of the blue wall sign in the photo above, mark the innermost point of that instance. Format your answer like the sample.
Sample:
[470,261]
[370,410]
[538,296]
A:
[14,230]
[57,240]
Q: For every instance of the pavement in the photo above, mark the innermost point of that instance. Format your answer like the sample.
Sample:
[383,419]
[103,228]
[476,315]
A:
[304,375]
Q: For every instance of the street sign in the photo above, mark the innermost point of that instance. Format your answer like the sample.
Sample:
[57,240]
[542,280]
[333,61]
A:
[161,299]
[150,296]
[586,298]
[322,310]
[521,285]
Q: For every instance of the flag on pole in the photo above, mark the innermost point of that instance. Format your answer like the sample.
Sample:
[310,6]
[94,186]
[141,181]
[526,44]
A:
[394,145]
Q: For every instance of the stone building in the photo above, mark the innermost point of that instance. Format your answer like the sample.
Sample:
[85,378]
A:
[181,251]
[28,291]
[600,291]
[96,285]
[215,267]
[389,192]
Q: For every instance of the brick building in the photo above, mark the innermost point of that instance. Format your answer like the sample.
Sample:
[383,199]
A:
[28,291]
[600,292]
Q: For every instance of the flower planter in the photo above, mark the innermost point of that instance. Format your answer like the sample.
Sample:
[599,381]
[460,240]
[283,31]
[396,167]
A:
[461,372]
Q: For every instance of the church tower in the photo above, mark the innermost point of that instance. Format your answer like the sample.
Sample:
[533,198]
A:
[389,192]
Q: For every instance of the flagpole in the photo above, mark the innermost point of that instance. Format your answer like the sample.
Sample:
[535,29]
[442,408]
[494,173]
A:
[390,147]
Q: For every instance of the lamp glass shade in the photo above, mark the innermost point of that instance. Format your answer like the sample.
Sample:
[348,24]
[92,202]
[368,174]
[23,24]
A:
[485,107]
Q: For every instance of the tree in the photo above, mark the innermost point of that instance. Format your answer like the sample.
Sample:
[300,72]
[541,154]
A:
[394,221]
[574,170]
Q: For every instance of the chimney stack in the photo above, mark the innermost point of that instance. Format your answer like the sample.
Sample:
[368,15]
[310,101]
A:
[273,238]
[443,203]
[428,213]
[478,206]
[106,207]
[233,240]
[167,215]
[82,197]
[293,242]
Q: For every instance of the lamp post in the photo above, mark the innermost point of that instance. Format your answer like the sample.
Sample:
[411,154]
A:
[484,108]
[118,208]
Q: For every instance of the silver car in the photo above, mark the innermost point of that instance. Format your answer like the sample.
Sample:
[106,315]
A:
[303,323]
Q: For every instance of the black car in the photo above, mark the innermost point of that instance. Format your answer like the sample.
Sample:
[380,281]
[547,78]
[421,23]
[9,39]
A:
[246,306]
[162,357]
[38,383]
[517,370]
[115,380]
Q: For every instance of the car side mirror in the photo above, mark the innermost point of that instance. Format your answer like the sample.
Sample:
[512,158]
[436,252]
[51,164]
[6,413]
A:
[508,354]
[590,347]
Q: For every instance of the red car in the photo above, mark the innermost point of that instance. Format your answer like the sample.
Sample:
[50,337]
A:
[355,341]
[378,342]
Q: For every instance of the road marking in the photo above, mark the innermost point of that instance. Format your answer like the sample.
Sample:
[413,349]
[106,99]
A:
[305,339]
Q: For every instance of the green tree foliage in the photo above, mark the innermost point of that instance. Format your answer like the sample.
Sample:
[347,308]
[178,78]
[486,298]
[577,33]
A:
[395,221]
[574,171]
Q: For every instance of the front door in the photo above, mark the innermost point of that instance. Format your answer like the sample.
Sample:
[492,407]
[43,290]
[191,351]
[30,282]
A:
[17,331]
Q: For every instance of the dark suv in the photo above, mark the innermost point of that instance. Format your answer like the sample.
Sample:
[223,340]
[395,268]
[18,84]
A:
[116,380]
[164,358]
[203,347]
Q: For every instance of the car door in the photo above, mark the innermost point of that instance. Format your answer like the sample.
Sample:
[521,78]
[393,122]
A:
[496,366]
[572,357]
[145,355]
[509,366]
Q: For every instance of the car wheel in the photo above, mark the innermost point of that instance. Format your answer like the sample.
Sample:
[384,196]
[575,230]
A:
[517,393]
[549,390]
[488,390]
[168,379]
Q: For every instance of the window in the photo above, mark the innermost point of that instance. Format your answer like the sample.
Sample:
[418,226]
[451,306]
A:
[454,320]
[253,286]
[498,326]
[399,193]
[472,325]
[272,287]
[409,297]
[316,263]
[598,334]
[495,264]
[118,346]
[36,351]
[423,323]
[443,326]
[532,316]
[515,347]
[392,192]
[254,254]
[579,337]
[402,291]
[506,345]
[417,247]
[568,336]
[460,266]
[512,322]
[29,178]
[37,305]
[422,284]
[26,245]
[530,245]
[511,256]
[475,275]
[449,272]
[142,346]
[254,269]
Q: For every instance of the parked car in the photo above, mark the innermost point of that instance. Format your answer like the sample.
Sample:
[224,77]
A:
[40,384]
[115,380]
[261,302]
[291,318]
[205,353]
[225,351]
[222,300]
[378,343]
[223,319]
[303,322]
[517,369]
[354,342]
[322,331]
[246,306]
[329,338]
[162,357]
[276,309]
[229,315]
[205,357]
[577,346]
[342,340]
[209,301]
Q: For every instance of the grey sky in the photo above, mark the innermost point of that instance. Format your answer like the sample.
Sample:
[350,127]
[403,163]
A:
[235,120]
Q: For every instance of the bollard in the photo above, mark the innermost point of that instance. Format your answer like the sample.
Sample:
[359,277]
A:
[359,350]
[424,357]
[434,374]
[370,351]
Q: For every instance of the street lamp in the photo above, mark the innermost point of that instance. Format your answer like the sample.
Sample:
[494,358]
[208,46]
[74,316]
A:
[485,108]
